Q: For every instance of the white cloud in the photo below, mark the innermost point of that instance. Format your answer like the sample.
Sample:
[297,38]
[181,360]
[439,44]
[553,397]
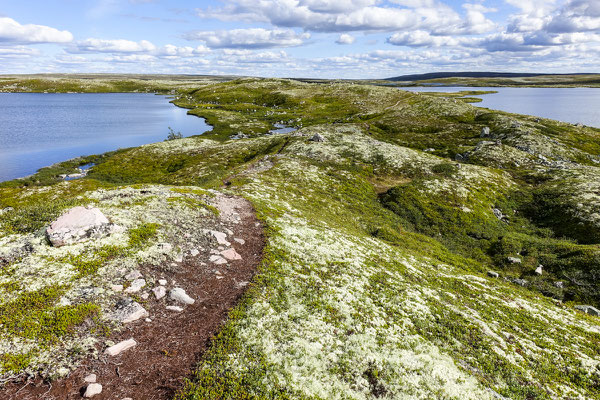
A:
[12,31]
[112,46]
[18,52]
[422,38]
[351,15]
[344,38]
[253,38]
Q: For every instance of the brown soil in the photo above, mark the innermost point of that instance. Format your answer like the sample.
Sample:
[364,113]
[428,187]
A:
[169,347]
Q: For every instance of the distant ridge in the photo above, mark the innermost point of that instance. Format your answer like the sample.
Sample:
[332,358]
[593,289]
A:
[439,75]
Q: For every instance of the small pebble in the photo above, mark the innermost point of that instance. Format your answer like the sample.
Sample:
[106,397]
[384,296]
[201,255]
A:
[116,288]
[174,308]
[91,378]
[162,282]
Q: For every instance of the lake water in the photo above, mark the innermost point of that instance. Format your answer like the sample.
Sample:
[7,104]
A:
[40,129]
[564,104]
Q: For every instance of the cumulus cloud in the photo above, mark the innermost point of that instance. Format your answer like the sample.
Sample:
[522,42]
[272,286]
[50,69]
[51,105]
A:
[18,52]
[344,38]
[352,15]
[253,38]
[13,32]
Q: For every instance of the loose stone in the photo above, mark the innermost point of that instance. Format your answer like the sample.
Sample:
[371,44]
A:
[159,292]
[162,282]
[513,260]
[178,294]
[91,378]
[133,275]
[120,347]
[539,270]
[174,308]
[493,274]
[77,225]
[128,311]
[136,286]
[231,254]
[92,390]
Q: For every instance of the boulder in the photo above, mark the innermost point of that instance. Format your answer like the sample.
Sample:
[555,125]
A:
[539,270]
[514,260]
[178,294]
[77,225]
[520,282]
[485,132]
[136,286]
[493,274]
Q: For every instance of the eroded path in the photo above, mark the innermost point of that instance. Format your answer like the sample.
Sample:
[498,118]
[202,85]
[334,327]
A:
[169,343]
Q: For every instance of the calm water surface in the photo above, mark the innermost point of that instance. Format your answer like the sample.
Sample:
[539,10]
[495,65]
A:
[40,129]
[564,104]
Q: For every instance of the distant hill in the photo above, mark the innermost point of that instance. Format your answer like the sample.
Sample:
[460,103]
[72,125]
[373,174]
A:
[439,75]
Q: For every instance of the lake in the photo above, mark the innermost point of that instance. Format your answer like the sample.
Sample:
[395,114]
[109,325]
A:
[564,104]
[40,129]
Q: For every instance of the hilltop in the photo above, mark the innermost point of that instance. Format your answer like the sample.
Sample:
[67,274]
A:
[415,246]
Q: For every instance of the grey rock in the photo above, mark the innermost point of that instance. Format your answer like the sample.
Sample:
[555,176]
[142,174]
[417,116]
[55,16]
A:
[559,284]
[162,282]
[127,311]
[514,260]
[485,132]
[520,282]
[77,225]
[539,270]
[91,378]
[317,138]
[493,274]
[136,286]
[588,309]
[178,294]
[498,214]
[174,308]
[133,275]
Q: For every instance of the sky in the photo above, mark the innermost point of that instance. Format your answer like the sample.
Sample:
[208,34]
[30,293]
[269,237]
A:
[299,38]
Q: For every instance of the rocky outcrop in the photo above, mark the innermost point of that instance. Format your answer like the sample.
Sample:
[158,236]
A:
[77,225]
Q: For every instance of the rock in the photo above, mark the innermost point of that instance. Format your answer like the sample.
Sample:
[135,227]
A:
[218,260]
[165,247]
[136,286]
[588,309]
[128,311]
[145,295]
[174,308]
[240,241]
[514,260]
[120,347]
[92,390]
[133,275]
[493,274]
[317,138]
[559,284]
[194,252]
[178,294]
[77,225]
[231,254]
[485,132]
[221,237]
[159,292]
[91,378]
[539,270]
[520,282]
[162,282]
[498,214]
[116,288]
[240,285]
[429,150]
[148,320]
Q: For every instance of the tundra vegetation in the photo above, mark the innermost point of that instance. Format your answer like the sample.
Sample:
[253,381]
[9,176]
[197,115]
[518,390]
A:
[401,246]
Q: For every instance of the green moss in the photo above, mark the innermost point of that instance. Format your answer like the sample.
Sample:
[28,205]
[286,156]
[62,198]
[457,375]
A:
[138,237]
[34,315]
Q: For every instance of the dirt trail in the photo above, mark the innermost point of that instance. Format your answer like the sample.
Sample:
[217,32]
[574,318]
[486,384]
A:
[169,347]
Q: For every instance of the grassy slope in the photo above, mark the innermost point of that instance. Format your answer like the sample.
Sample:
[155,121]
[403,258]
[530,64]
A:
[374,281]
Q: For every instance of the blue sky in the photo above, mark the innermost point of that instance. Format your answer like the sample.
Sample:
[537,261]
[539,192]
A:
[299,38]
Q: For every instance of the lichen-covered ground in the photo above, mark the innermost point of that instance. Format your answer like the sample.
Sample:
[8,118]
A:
[380,238]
